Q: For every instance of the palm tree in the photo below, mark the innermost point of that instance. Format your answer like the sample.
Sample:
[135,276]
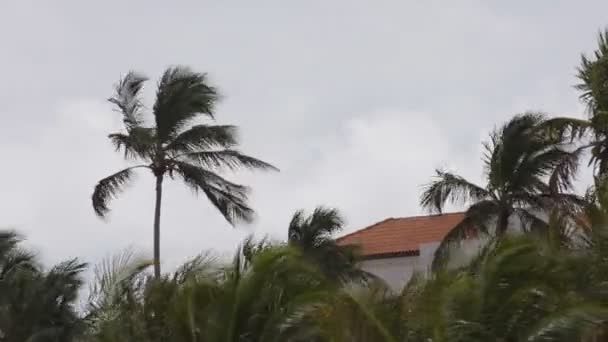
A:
[518,290]
[262,295]
[518,160]
[314,236]
[175,147]
[37,305]
[593,76]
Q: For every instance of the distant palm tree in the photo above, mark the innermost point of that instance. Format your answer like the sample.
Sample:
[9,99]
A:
[314,235]
[518,161]
[175,147]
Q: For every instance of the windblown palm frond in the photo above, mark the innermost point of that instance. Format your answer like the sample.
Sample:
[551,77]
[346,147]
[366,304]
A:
[109,188]
[182,95]
[221,159]
[229,198]
[314,234]
[139,143]
[448,187]
[127,99]
[204,137]
[593,74]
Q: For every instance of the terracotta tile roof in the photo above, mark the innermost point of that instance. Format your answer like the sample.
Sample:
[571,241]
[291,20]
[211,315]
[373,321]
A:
[396,236]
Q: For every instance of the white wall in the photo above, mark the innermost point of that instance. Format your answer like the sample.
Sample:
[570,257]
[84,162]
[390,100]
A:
[394,271]
[397,271]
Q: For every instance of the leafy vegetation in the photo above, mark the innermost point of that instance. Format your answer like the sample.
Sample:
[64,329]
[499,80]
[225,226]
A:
[540,274]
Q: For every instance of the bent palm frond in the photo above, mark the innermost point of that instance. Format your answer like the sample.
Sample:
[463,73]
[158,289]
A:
[229,198]
[222,159]
[110,187]
[449,187]
[127,99]
[182,95]
[204,137]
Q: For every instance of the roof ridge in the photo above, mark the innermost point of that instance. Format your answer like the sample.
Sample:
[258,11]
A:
[363,229]
[431,215]
[394,218]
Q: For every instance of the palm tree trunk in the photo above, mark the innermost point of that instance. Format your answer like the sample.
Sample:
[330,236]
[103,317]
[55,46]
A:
[503,222]
[159,194]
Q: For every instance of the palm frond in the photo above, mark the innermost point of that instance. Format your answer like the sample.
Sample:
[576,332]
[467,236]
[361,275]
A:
[449,187]
[110,187]
[114,278]
[565,128]
[320,225]
[564,172]
[570,324]
[182,95]
[138,143]
[476,221]
[222,159]
[509,145]
[127,99]
[531,222]
[229,198]
[203,266]
[204,137]
[593,74]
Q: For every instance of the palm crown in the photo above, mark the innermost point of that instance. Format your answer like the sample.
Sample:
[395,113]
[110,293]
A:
[526,173]
[176,146]
[314,236]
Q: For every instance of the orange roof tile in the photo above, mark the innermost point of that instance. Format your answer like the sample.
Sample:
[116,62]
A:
[401,235]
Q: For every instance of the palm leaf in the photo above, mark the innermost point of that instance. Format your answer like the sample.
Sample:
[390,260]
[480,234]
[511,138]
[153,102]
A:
[565,128]
[476,220]
[204,137]
[138,143]
[110,187]
[319,226]
[127,99]
[229,198]
[570,324]
[182,95]
[222,159]
[449,187]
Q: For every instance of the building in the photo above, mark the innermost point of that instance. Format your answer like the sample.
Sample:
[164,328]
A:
[396,247]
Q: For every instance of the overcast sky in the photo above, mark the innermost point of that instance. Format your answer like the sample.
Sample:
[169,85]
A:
[355,101]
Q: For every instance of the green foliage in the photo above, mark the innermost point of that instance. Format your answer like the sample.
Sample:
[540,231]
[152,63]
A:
[313,235]
[526,171]
[37,305]
[593,76]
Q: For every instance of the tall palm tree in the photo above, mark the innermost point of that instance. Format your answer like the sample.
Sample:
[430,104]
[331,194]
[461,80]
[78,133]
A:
[175,146]
[526,172]
[314,236]
[593,77]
